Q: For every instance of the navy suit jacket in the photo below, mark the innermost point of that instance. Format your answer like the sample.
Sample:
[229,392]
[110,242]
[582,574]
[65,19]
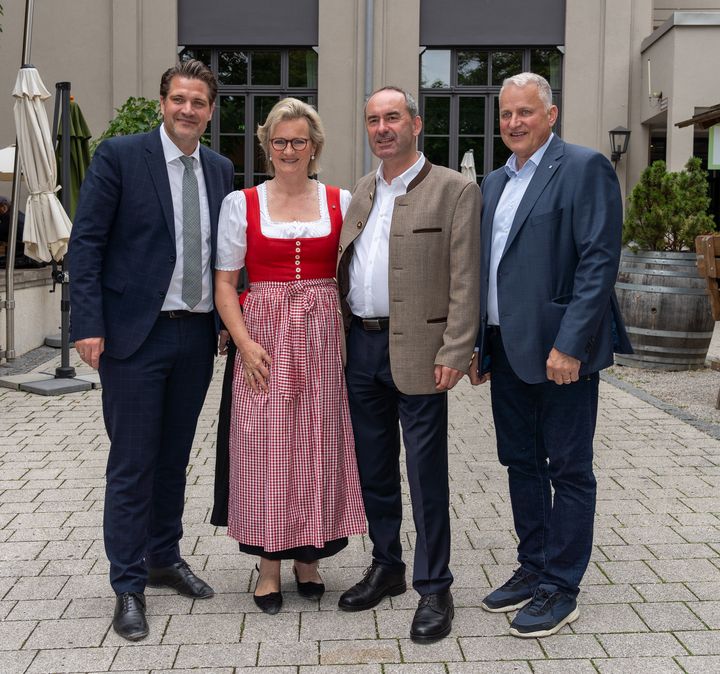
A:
[557,272]
[122,248]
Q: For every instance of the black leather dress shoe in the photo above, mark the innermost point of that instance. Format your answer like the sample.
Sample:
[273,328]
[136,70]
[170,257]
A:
[378,582]
[181,579]
[129,619]
[269,603]
[433,617]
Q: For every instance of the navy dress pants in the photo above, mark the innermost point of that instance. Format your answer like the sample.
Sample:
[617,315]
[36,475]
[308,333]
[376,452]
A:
[151,404]
[376,408]
[544,438]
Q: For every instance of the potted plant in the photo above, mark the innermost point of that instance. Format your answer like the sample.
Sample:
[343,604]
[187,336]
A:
[663,298]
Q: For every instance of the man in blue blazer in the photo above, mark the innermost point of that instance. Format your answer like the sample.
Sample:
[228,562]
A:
[140,261]
[551,233]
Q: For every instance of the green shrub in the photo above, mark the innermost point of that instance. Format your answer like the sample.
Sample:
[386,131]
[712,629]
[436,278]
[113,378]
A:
[666,211]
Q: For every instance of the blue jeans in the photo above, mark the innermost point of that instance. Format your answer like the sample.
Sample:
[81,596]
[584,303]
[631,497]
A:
[544,438]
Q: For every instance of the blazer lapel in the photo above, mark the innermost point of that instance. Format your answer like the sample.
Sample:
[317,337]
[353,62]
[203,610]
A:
[548,165]
[157,167]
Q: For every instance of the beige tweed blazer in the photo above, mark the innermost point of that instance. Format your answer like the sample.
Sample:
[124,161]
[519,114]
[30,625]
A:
[434,275]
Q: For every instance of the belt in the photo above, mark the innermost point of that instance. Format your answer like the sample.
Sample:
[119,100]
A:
[182,313]
[373,324]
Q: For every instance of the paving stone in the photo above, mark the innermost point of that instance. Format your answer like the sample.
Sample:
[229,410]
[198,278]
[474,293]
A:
[645,665]
[682,570]
[447,650]
[705,591]
[500,648]
[48,609]
[217,655]
[515,667]
[580,646]
[14,634]
[14,662]
[607,618]
[359,651]
[340,625]
[664,592]
[202,629]
[562,667]
[143,657]
[708,612]
[80,633]
[668,617]
[285,653]
[640,645]
[40,587]
[358,669]
[628,572]
[704,642]
[700,664]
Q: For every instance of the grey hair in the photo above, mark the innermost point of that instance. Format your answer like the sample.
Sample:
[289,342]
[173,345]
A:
[410,102]
[523,79]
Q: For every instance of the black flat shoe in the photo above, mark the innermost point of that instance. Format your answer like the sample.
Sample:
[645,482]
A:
[309,589]
[267,603]
[129,619]
[180,578]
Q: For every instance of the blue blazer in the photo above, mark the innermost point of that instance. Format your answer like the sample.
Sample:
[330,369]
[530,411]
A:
[122,248]
[557,272]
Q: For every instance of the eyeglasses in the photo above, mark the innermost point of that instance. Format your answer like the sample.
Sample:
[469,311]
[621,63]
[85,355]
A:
[280,144]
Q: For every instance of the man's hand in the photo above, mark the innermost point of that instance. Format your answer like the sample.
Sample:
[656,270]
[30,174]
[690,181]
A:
[561,368]
[223,339]
[475,377]
[447,377]
[89,349]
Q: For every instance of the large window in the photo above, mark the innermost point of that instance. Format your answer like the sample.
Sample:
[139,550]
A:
[250,82]
[459,99]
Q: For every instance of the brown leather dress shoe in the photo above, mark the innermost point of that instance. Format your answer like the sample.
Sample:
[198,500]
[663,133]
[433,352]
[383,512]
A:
[180,578]
[129,619]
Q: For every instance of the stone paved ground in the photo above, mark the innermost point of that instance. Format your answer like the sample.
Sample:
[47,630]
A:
[650,600]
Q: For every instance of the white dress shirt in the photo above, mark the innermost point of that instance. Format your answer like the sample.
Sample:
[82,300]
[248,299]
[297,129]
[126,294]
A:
[369,295]
[510,199]
[175,169]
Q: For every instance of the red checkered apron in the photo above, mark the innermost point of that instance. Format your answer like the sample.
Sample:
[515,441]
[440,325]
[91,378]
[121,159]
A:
[293,474]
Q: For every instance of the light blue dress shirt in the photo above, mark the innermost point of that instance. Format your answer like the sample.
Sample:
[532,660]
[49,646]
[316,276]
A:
[510,199]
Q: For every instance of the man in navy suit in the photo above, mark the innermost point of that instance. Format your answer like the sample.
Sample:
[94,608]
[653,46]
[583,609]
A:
[140,261]
[551,233]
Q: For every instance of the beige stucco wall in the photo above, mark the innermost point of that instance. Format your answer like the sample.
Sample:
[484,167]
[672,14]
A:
[107,49]
[600,74]
[341,73]
[686,82]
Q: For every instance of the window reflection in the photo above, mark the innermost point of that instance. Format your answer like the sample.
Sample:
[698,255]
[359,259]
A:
[435,68]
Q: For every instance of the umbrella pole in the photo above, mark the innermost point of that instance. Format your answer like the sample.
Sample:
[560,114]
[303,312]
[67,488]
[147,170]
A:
[61,276]
[9,303]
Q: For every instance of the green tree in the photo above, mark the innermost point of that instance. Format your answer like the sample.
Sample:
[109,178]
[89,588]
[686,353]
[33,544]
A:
[666,211]
[135,115]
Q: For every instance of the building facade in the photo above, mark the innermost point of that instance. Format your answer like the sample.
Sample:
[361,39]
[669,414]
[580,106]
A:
[641,64]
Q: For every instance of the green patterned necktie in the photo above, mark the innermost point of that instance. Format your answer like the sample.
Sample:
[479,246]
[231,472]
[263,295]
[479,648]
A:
[192,238]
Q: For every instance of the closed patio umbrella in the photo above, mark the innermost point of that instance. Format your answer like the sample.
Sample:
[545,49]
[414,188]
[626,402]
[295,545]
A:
[47,226]
[79,154]
[467,166]
[7,162]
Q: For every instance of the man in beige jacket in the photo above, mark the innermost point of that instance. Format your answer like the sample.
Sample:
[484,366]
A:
[409,281]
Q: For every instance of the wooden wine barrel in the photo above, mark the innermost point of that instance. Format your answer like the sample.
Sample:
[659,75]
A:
[666,310]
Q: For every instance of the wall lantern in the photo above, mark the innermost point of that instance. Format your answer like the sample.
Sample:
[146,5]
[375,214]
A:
[619,139]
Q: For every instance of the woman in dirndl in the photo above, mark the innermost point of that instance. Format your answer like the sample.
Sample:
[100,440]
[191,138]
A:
[294,491]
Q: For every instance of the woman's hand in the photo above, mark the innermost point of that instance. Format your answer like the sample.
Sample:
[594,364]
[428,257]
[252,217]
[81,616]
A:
[256,365]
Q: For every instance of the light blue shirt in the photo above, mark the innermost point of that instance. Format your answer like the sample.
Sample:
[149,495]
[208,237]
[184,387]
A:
[510,199]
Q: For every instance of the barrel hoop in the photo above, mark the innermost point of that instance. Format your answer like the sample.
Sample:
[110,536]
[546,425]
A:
[677,256]
[661,289]
[669,333]
[660,272]
[649,348]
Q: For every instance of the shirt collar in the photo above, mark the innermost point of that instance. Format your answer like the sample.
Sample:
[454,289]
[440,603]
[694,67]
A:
[405,178]
[171,151]
[511,164]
